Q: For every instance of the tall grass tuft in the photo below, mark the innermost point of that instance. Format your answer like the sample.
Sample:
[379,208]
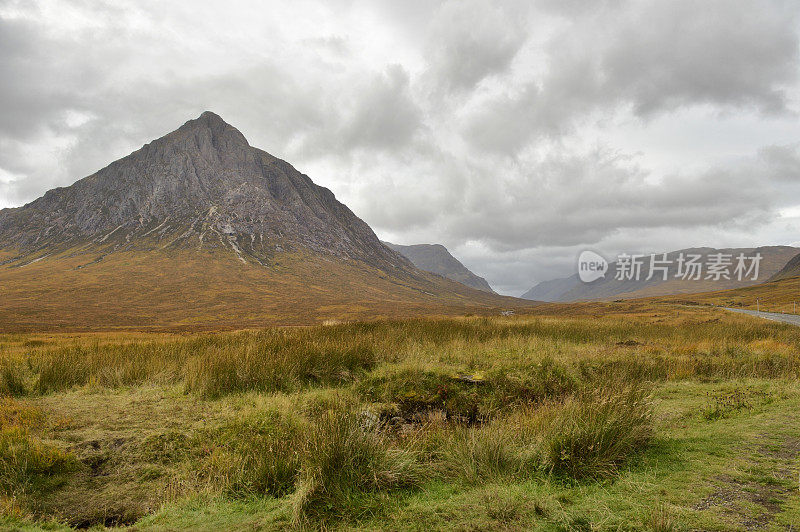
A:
[586,435]
[257,455]
[108,365]
[592,434]
[11,383]
[341,459]
[480,453]
[26,464]
[210,365]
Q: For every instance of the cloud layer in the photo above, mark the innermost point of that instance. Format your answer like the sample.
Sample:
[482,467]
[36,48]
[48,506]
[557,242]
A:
[515,133]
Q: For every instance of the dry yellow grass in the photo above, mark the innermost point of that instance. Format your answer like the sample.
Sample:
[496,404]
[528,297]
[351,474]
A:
[211,290]
[148,418]
[774,296]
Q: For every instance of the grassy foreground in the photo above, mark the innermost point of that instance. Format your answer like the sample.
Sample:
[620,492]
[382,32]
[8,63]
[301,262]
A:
[632,416]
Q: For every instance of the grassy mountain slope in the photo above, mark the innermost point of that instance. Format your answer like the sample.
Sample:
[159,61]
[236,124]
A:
[206,289]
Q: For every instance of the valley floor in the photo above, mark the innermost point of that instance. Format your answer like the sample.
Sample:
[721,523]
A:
[632,416]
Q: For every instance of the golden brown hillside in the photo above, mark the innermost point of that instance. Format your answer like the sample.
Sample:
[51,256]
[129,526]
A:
[200,230]
[207,289]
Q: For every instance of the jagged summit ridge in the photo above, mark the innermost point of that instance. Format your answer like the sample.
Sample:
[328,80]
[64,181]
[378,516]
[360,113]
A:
[201,186]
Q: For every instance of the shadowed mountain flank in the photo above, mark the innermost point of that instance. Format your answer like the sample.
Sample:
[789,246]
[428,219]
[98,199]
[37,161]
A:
[436,259]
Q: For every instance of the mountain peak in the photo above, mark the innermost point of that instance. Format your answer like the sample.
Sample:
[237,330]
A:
[201,186]
[210,115]
[211,120]
[219,132]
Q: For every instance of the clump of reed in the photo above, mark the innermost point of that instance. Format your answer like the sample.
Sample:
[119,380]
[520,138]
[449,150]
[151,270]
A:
[587,435]
[257,455]
[211,365]
[342,459]
[593,433]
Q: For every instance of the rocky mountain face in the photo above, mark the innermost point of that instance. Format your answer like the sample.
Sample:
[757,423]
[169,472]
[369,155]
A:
[436,259]
[201,186]
[198,230]
[608,288]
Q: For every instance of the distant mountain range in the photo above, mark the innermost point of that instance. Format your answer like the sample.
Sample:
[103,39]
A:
[436,259]
[200,229]
[781,293]
[571,288]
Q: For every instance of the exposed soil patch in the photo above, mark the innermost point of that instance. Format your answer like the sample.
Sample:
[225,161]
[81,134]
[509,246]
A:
[117,480]
[769,493]
[629,343]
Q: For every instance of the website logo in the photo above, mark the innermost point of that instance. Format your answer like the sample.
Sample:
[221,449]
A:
[591,266]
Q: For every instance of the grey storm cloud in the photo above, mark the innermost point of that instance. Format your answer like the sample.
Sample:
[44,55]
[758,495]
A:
[516,133]
[578,199]
[716,52]
[782,163]
[470,40]
[653,57]
[378,113]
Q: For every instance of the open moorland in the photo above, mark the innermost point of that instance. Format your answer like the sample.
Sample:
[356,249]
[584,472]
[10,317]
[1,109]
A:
[774,296]
[179,290]
[632,415]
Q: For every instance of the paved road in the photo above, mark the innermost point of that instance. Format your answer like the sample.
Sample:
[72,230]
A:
[794,319]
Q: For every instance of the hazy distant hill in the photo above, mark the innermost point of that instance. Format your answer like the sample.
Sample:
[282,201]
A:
[552,290]
[436,259]
[572,289]
[198,228]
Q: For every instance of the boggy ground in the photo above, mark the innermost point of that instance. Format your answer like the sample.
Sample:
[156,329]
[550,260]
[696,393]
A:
[633,416]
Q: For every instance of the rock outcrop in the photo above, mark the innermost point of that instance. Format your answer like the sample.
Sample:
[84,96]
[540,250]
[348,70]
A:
[202,185]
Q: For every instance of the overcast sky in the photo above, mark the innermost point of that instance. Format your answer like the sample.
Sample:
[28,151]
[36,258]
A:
[515,133]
